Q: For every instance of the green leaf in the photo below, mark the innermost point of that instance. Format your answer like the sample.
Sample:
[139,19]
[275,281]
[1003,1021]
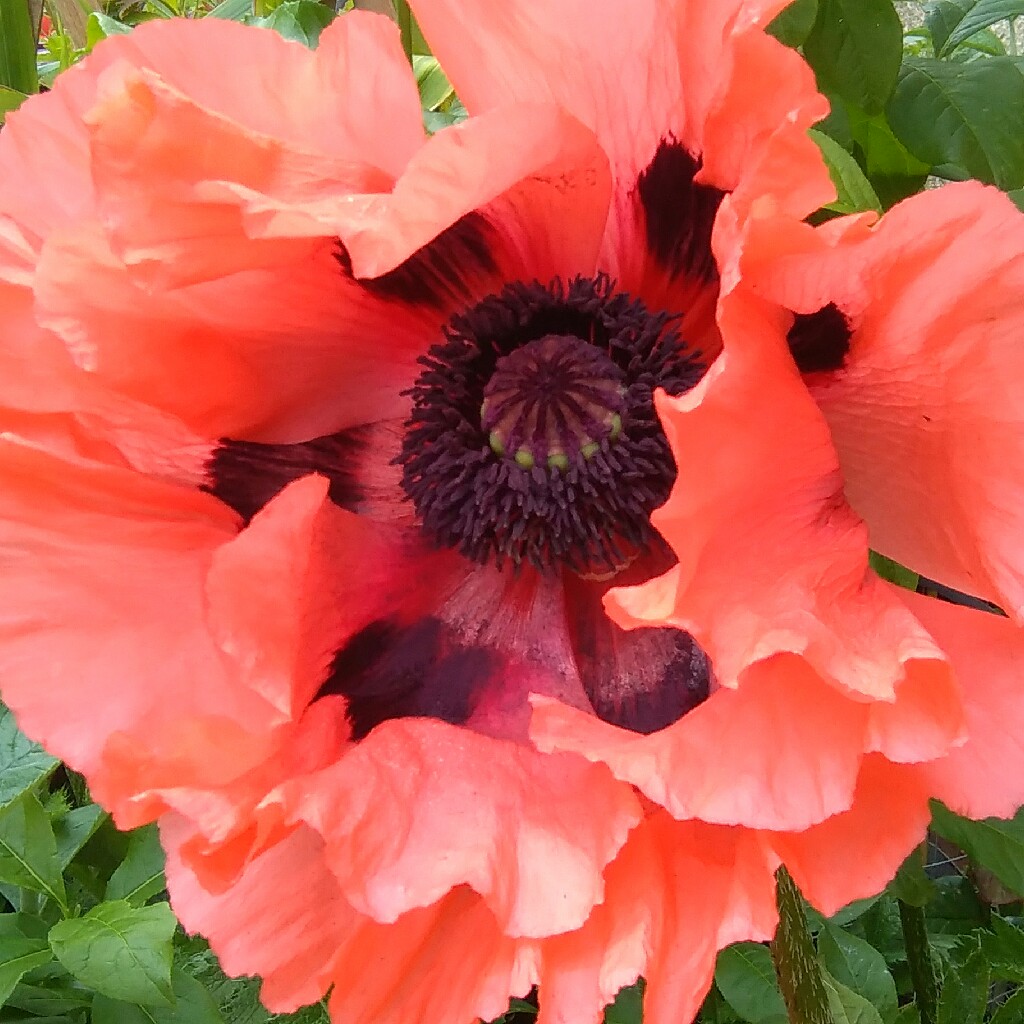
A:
[28,849]
[140,875]
[793,24]
[746,978]
[965,120]
[994,843]
[435,89]
[17,958]
[860,967]
[232,10]
[193,1004]
[1004,950]
[301,20]
[911,884]
[100,27]
[17,51]
[893,571]
[1017,197]
[628,1007]
[854,191]
[964,993]
[74,829]
[120,951]
[952,22]
[908,1014]
[855,48]
[49,1002]
[22,762]
[10,100]
[1011,1012]
[846,1006]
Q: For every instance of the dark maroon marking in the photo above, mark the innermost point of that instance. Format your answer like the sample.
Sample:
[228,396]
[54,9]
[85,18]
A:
[247,474]
[680,213]
[431,274]
[387,670]
[641,679]
[820,341]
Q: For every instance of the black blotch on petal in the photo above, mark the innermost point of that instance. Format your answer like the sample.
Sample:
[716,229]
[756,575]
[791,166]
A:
[680,213]
[416,670]
[820,341]
[432,275]
[247,474]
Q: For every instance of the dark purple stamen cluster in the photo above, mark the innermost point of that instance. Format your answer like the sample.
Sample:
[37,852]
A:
[583,497]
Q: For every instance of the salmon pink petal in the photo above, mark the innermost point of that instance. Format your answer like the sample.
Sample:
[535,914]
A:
[771,558]
[98,560]
[855,854]
[287,920]
[984,777]
[781,751]
[515,825]
[923,409]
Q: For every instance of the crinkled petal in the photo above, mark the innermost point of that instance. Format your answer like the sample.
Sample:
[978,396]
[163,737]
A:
[515,825]
[924,412]
[771,558]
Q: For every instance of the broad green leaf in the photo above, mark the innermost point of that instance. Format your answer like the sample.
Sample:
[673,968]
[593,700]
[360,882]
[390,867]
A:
[860,967]
[853,910]
[141,874]
[193,1004]
[1012,1011]
[792,25]
[28,850]
[17,958]
[301,20]
[847,1006]
[10,100]
[745,976]
[74,829]
[952,22]
[22,762]
[995,843]
[855,48]
[121,951]
[911,884]
[49,1002]
[100,27]
[628,1006]
[22,926]
[1004,950]
[854,191]
[17,50]
[984,42]
[435,89]
[965,120]
[964,993]
[954,913]
[908,1014]
[1017,196]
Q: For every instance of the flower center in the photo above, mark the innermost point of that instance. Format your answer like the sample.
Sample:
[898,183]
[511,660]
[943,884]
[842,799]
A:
[533,436]
[551,400]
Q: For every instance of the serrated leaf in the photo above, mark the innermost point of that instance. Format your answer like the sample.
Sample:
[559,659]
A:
[22,762]
[140,875]
[1011,1012]
[193,1004]
[121,951]
[855,48]
[1004,950]
[964,993]
[746,978]
[953,22]
[860,967]
[854,191]
[628,1007]
[965,120]
[300,20]
[17,958]
[793,24]
[28,849]
[74,829]
[846,1006]
[995,843]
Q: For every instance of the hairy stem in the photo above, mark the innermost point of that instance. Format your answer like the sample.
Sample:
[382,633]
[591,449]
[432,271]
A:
[796,965]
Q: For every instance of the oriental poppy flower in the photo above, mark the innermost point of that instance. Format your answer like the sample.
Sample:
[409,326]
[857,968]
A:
[445,540]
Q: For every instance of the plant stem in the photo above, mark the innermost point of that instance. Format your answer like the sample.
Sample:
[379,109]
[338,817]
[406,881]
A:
[796,965]
[919,957]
